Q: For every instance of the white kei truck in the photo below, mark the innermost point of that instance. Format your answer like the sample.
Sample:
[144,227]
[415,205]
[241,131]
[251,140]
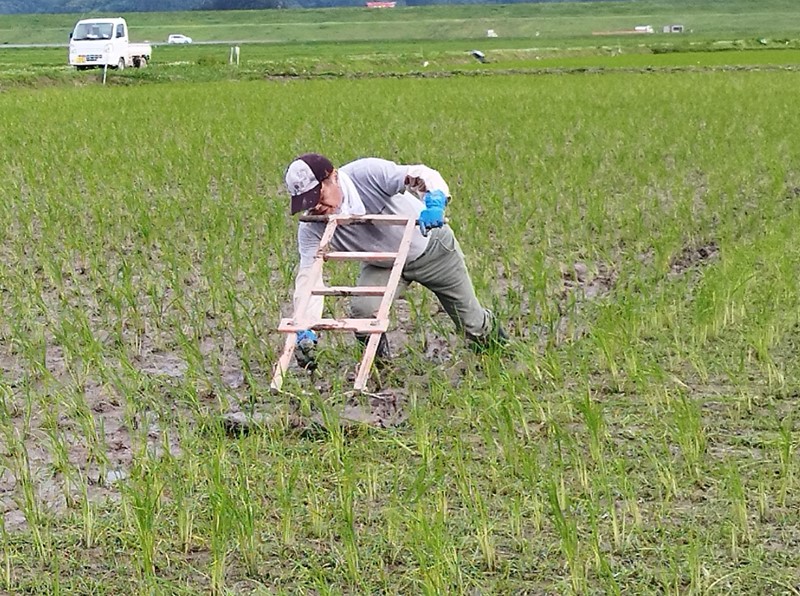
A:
[104,43]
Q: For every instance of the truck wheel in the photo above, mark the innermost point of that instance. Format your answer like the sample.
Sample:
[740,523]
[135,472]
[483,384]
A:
[140,62]
[121,64]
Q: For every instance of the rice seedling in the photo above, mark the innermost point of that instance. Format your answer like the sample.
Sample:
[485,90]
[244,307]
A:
[223,516]
[567,531]
[246,517]
[286,485]
[143,498]
[89,515]
[28,502]
[786,449]
[689,434]
[8,577]
[739,527]
[593,417]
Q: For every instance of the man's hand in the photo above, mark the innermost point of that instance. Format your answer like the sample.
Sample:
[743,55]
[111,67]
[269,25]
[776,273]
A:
[305,350]
[433,214]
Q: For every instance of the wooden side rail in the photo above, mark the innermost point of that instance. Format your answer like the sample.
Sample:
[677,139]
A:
[374,327]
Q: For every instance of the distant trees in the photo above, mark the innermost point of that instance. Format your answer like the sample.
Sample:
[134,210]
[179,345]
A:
[106,6]
[90,6]
[242,4]
[29,6]
[431,2]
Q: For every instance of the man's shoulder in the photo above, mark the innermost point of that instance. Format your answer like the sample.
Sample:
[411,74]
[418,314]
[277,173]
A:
[306,229]
[368,164]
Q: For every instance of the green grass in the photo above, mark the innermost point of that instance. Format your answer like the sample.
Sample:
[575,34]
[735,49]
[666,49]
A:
[422,41]
[556,22]
[43,67]
[429,41]
[634,225]
[638,437]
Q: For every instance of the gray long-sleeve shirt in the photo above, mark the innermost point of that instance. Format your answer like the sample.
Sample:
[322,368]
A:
[380,185]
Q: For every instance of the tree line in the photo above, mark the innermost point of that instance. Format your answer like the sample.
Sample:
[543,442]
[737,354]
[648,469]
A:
[119,6]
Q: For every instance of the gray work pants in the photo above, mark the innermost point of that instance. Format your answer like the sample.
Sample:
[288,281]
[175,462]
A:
[441,269]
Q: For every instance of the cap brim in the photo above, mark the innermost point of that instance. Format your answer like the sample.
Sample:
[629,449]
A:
[307,200]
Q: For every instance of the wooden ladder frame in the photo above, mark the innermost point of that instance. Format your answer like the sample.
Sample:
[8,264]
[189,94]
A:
[374,326]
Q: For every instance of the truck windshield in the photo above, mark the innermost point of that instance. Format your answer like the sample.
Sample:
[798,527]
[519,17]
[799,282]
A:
[85,31]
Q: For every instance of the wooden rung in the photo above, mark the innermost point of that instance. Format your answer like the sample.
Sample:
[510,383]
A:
[350,291]
[372,327]
[356,325]
[346,220]
[360,256]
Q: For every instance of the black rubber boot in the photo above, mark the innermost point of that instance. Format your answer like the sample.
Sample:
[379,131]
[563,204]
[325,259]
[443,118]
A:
[383,355]
[305,355]
[493,341]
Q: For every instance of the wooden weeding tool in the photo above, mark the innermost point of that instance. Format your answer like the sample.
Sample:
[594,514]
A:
[375,326]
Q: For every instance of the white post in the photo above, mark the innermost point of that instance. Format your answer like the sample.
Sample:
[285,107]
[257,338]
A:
[230,59]
[237,55]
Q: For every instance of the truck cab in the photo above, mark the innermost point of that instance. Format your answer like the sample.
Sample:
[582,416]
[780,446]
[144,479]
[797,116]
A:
[104,42]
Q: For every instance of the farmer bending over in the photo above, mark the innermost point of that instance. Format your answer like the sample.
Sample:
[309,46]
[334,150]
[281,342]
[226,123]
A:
[435,260]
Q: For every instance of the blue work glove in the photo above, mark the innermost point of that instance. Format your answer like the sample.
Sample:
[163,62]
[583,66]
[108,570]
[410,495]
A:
[305,349]
[433,214]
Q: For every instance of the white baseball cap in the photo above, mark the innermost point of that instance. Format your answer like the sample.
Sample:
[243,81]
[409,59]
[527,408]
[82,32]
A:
[304,178]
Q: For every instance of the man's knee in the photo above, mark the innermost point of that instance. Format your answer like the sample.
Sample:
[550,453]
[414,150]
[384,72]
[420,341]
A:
[364,307]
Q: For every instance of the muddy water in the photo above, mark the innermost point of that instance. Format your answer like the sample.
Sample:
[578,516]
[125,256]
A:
[385,407]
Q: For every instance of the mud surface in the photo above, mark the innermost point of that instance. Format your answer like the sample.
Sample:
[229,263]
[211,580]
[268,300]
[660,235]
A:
[692,257]
[376,410]
[586,282]
[87,429]
[78,435]
[581,283]
[64,463]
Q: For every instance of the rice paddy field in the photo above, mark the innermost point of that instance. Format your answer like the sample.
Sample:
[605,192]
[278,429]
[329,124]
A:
[633,225]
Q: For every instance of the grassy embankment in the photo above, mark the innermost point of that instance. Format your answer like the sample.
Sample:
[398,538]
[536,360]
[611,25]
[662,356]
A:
[339,42]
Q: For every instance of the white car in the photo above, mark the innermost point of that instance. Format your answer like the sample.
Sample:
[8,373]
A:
[178,38]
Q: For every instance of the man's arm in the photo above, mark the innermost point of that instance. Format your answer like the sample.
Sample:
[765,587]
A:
[430,188]
[307,308]
[384,178]
[421,179]
[308,276]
